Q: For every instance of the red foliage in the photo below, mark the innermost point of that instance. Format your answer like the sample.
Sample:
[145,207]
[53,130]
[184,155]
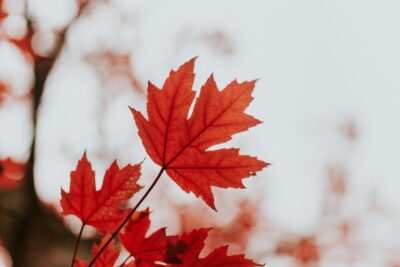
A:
[305,251]
[24,44]
[240,229]
[3,91]
[236,232]
[101,208]
[107,259]
[11,173]
[2,13]
[111,64]
[191,217]
[180,144]
[161,250]
[145,250]
[195,242]
[219,41]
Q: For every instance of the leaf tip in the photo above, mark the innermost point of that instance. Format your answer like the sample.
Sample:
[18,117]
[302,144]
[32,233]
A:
[84,156]
[265,164]
[212,205]
[211,79]
[143,160]
[189,64]
[133,110]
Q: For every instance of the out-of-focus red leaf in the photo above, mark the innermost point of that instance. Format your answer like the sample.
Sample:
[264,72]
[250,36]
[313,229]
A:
[2,13]
[304,251]
[192,216]
[113,64]
[219,41]
[180,144]
[240,229]
[11,173]
[102,208]
[24,44]
[236,232]
[4,89]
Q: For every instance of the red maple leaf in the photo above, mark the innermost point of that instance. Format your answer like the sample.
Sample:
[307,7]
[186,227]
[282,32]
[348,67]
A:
[102,208]
[146,250]
[161,250]
[180,144]
[11,173]
[107,258]
[194,244]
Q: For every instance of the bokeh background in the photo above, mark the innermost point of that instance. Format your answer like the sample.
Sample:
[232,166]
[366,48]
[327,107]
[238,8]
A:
[328,95]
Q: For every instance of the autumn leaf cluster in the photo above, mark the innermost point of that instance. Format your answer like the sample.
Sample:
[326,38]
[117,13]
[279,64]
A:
[182,146]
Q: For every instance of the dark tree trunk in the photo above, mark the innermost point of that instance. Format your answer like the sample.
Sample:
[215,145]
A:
[34,235]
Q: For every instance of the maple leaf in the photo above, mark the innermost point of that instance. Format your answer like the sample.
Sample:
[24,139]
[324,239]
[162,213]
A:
[107,258]
[11,173]
[158,249]
[145,264]
[180,144]
[237,232]
[102,208]
[146,250]
[194,244]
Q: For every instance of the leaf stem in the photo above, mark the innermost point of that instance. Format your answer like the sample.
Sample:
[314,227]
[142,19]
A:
[127,217]
[127,258]
[78,240]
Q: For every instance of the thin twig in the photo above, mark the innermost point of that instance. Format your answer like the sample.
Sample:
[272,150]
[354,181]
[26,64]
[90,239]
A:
[127,258]
[78,240]
[127,217]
